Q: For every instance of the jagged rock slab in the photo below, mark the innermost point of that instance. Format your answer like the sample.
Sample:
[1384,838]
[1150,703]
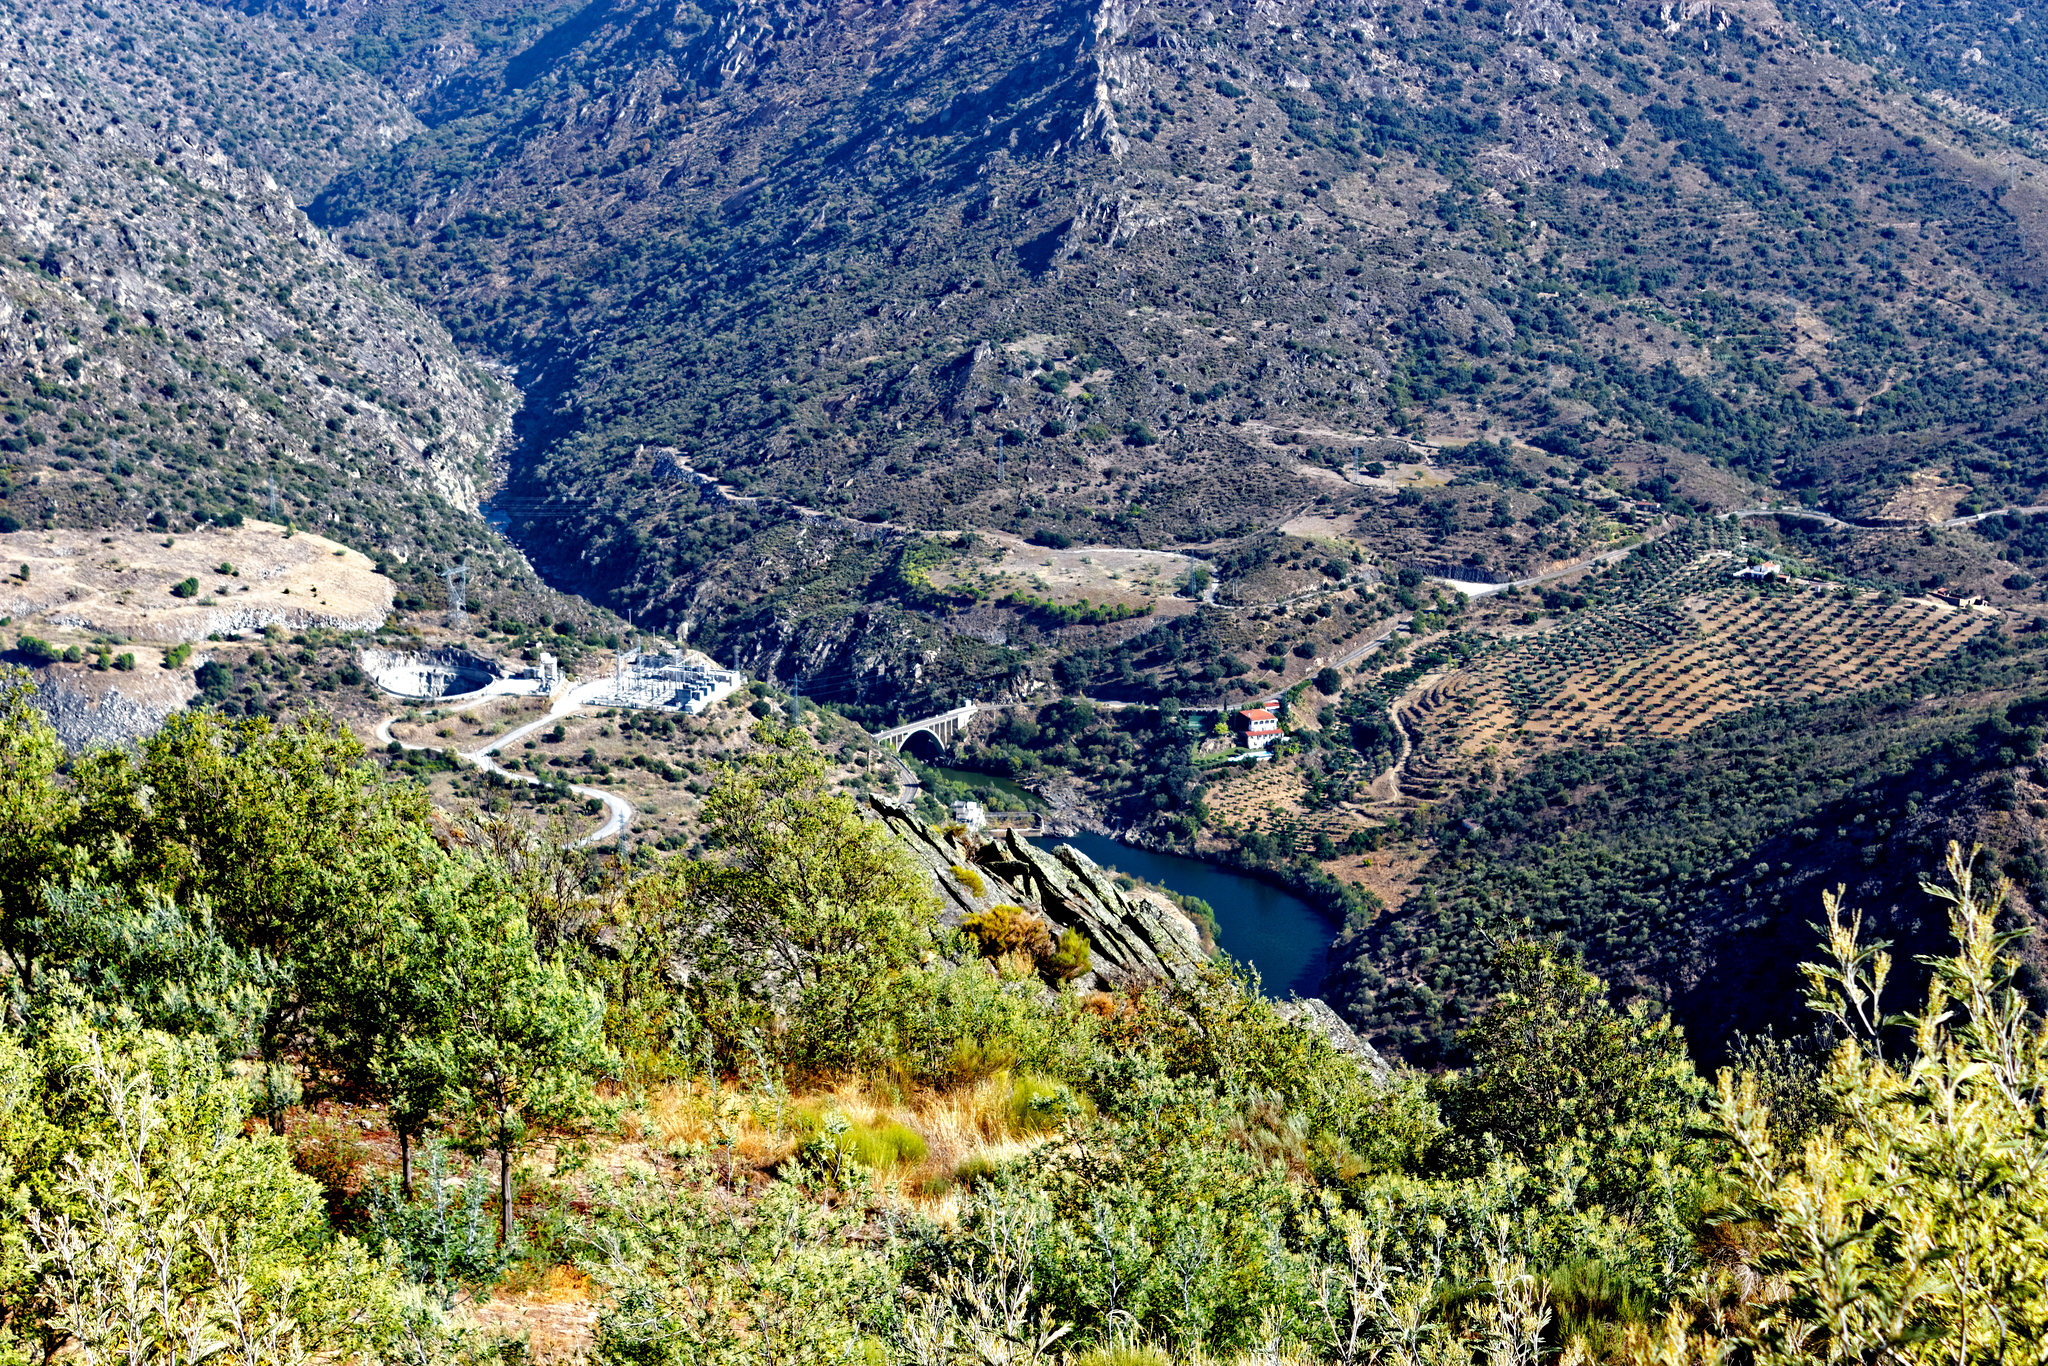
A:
[1317,1016]
[1134,937]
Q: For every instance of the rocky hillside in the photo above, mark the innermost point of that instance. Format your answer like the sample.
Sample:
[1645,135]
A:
[180,343]
[1148,273]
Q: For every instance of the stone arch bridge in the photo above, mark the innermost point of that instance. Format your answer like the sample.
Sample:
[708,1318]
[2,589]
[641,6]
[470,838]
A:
[944,728]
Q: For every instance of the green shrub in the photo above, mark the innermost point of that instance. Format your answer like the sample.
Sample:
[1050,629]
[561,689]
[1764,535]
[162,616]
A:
[1071,958]
[214,679]
[969,878]
[961,1023]
[189,588]
[444,1235]
[38,650]
[1037,1105]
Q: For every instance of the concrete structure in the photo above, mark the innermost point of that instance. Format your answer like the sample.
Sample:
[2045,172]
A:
[689,681]
[452,675]
[944,728]
[970,814]
[1257,727]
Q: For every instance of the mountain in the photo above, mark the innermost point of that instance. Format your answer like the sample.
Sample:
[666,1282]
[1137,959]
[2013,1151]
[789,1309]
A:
[183,345]
[1157,353]
[1150,275]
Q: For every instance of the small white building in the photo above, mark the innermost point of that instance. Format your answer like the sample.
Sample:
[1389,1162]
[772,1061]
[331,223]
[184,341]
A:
[970,814]
[1257,727]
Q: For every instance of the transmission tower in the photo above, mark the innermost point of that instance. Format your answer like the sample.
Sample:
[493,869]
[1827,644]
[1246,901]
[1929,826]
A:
[458,589]
[275,509]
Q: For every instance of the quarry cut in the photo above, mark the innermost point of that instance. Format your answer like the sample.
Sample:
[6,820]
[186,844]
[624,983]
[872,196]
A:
[448,675]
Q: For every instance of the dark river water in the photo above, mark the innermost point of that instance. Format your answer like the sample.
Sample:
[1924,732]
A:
[1277,932]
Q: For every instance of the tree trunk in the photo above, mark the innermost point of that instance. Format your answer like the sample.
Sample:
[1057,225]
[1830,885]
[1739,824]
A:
[405,1162]
[505,1195]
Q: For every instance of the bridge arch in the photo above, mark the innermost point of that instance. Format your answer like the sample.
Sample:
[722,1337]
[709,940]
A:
[941,730]
[924,743]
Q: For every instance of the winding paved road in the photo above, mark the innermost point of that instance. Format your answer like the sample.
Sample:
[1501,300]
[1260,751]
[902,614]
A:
[1829,519]
[618,811]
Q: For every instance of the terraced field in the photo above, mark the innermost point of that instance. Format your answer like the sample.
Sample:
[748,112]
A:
[1245,796]
[1701,645]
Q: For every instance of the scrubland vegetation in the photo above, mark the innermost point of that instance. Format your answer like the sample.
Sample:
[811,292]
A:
[295,1067]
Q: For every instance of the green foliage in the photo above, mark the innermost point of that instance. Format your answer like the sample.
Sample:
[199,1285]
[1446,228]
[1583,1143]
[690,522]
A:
[1552,1062]
[1081,613]
[1912,1228]
[185,588]
[809,911]
[441,1232]
[693,1282]
[834,1140]
[520,1041]
[135,961]
[1038,1105]
[1070,958]
[144,1220]
[265,888]
[958,1024]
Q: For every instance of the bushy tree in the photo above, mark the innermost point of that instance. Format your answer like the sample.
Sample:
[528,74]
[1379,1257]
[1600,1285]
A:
[36,820]
[1554,1062]
[1914,1229]
[806,911]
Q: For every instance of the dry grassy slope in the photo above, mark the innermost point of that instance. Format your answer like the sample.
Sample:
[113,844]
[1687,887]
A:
[73,587]
[177,336]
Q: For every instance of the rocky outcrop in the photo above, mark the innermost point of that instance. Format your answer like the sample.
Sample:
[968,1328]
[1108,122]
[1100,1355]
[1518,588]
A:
[1134,936]
[90,710]
[1317,1016]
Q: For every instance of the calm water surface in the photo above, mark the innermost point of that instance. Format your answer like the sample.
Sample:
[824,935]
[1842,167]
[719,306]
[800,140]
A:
[1275,931]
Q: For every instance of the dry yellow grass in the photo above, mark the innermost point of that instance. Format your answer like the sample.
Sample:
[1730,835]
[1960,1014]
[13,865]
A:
[86,583]
[961,1127]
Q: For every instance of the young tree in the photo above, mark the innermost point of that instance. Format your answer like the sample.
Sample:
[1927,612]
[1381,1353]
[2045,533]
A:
[810,908]
[378,1015]
[523,1039]
[35,819]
